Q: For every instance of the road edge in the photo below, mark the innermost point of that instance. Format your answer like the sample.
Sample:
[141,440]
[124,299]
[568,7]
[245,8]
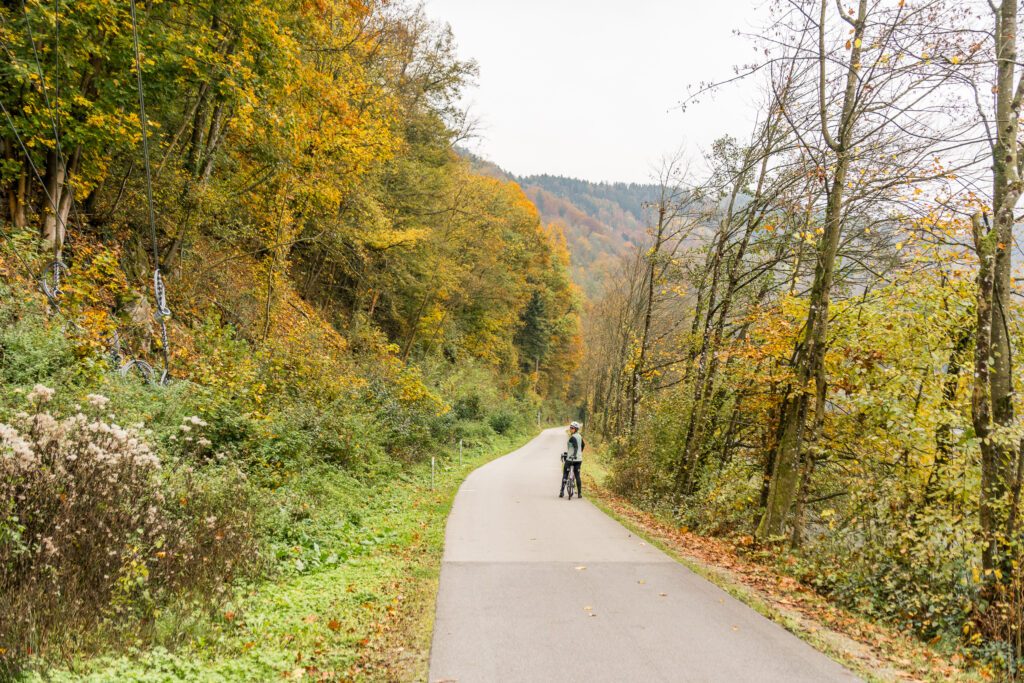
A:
[815,633]
[417,624]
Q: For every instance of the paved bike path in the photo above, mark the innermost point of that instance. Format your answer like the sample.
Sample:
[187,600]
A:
[537,588]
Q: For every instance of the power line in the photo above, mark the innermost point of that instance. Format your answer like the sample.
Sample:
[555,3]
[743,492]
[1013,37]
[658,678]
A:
[163,313]
[54,293]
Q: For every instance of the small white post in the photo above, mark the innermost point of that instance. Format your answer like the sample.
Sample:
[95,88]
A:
[431,473]
[460,452]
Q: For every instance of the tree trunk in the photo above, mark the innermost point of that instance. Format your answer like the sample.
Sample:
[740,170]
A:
[213,141]
[52,228]
[718,311]
[999,456]
[16,190]
[198,128]
[810,356]
[638,366]
[984,244]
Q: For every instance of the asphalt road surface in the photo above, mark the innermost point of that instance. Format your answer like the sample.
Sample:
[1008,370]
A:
[538,588]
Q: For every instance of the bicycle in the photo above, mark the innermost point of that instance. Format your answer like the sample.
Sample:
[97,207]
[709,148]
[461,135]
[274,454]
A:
[568,474]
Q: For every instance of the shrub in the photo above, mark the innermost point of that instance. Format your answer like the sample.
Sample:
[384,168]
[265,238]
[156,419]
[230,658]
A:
[918,573]
[468,407]
[31,351]
[93,529]
[501,422]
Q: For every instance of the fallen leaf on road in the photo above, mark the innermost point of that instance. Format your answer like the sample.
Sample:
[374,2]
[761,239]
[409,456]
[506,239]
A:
[662,594]
[735,628]
[639,581]
[592,614]
[588,607]
[579,569]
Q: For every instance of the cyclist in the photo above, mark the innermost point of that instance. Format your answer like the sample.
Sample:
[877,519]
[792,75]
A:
[572,459]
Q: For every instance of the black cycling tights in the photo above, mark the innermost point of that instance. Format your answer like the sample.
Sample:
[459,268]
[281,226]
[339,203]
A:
[571,467]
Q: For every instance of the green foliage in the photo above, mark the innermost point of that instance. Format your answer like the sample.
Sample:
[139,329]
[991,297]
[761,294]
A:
[467,407]
[310,471]
[339,280]
[346,552]
[31,351]
[501,422]
[915,571]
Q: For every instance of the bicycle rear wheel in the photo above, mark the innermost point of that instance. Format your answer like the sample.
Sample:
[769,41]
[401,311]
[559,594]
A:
[571,485]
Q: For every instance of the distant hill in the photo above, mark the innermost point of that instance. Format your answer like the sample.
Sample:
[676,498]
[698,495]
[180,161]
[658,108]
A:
[602,222]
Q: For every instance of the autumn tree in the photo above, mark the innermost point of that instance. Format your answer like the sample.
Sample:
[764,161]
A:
[863,79]
[984,61]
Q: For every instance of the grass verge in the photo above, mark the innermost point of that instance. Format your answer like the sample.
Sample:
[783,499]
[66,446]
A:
[874,651]
[353,600]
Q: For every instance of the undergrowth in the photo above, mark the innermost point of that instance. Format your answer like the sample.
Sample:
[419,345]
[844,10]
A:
[289,493]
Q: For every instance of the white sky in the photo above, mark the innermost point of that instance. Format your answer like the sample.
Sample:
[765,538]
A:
[590,88]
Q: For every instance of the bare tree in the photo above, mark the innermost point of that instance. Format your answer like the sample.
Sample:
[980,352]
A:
[868,124]
[672,226]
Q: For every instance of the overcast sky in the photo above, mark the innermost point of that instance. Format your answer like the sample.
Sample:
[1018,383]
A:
[590,88]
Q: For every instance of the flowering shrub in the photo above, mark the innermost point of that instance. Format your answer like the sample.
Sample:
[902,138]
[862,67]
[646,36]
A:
[94,527]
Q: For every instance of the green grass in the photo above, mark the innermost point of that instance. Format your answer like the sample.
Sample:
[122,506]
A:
[358,566]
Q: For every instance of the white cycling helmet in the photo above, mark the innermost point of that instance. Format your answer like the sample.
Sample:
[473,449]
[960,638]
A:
[574,425]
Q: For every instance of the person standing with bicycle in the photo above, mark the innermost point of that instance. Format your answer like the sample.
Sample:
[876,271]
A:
[572,459]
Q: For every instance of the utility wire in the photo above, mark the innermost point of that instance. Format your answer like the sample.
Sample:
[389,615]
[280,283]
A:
[163,313]
[57,269]
[24,264]
[53,294]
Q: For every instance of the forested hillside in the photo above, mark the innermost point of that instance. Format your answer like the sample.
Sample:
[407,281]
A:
[828,371]
[602,222]
[206,384]
[620,204]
